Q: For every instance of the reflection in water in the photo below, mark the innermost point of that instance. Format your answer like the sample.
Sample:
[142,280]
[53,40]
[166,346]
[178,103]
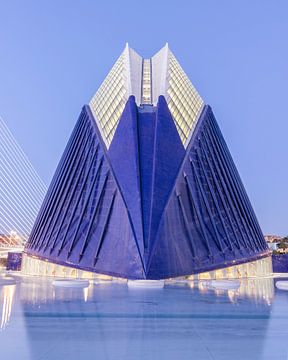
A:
[7,295]
[258,290]
[85,294]
[40,291]
[182,320]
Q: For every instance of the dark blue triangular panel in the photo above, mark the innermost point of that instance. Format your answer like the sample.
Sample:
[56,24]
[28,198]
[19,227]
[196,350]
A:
[144,165]
[169,153]
[124,157]
[84,221]
[146,154]
[208,222]
[146,132]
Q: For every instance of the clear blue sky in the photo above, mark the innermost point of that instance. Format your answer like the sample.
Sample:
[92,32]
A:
[54,55]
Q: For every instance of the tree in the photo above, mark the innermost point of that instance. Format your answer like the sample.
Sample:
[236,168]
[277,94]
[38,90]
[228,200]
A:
[283,245]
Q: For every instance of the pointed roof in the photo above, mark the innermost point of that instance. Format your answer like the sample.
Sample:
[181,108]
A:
[129,77]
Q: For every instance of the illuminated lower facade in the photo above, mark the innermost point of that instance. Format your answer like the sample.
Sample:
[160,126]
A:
[36,267]
[146,187]
[258,268]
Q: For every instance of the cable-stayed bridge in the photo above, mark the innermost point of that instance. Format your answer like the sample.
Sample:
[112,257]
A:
[21,192]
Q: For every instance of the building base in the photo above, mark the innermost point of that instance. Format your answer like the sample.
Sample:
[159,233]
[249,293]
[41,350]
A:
[38,267]
[258,268]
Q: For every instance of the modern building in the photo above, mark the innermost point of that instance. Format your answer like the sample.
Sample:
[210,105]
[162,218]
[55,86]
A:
[21,191]
[146,187]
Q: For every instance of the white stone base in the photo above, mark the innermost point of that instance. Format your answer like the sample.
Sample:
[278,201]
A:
[34,266]
[258,268]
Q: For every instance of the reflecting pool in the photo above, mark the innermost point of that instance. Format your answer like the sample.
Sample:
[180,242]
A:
[109,320]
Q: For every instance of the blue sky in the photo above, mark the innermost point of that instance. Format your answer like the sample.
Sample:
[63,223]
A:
[54,55]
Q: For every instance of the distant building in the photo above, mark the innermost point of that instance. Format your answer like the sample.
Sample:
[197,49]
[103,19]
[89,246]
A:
[272,238]
[272,241]
[277,243]
[9,240]
[273,245]
[146,187]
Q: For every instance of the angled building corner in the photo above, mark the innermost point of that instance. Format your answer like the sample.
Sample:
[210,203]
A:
[146,187]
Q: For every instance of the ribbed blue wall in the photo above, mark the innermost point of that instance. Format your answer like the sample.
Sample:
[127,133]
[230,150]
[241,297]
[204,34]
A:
[147,208]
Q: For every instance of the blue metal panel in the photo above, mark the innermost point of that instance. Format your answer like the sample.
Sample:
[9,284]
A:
[124,158]
[208,207]
[168,155]
[147,208]
[280,263]
[146,127]
[14,261]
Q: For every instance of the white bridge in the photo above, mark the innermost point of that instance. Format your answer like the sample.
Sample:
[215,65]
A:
[21,192]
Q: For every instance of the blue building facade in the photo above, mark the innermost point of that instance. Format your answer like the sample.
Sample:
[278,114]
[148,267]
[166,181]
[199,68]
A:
[152,201]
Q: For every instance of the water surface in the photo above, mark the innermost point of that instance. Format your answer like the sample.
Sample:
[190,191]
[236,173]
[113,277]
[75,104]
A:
[111,321]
